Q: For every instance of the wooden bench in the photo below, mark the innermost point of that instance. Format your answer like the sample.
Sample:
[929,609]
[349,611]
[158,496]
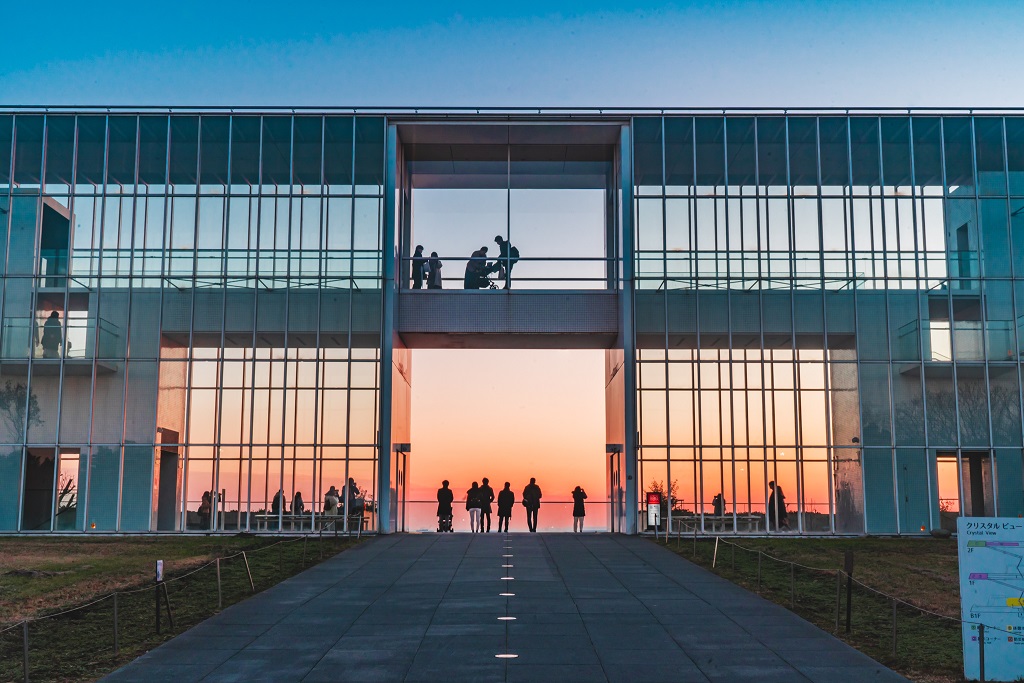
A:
[356,522]
[717,523]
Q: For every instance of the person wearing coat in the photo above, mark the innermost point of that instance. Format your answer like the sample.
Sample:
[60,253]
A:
[486,498]
[578,509]
[473,505]
[506,499]
[445,496]
[531,501]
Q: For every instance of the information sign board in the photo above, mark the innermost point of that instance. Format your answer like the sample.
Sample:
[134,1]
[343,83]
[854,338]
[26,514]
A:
[991,553]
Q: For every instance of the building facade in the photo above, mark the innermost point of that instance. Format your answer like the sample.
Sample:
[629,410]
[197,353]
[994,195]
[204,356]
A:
[205,312]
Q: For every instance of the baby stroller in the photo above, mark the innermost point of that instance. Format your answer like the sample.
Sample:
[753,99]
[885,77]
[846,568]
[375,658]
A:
[444,524]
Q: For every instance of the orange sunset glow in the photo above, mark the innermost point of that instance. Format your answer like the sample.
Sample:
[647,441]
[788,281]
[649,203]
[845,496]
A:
[508,416]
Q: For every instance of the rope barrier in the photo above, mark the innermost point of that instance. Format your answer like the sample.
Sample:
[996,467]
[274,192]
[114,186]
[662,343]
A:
[880,593]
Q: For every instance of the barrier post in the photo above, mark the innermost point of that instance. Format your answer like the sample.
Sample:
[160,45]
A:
[158,576]
[981,653]
[734,558]
[695,538]
[714,558]
[24,647]
[249,572]
[220,595]
[117,644]
[304,539]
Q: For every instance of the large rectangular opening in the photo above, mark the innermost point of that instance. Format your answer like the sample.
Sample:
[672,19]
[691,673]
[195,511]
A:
[508,415]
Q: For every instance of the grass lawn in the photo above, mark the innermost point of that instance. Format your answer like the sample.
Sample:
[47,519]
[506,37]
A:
[922,572]
[41,576]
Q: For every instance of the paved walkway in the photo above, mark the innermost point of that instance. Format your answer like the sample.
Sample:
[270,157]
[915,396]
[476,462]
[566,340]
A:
[440,608]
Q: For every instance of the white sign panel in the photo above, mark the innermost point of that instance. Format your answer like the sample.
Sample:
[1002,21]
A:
[992,592]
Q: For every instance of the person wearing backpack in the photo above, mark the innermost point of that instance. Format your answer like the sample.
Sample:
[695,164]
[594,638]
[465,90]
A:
[508,256]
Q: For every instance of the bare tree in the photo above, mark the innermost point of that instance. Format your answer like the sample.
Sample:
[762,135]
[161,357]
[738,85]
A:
[13,404]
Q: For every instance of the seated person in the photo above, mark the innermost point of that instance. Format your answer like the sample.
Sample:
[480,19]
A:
[477,270]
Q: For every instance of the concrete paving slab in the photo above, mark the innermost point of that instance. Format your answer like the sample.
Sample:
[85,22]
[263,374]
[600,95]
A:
[586,607]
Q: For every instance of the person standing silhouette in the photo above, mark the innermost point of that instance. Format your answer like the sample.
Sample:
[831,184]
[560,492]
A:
[52,336]
[419,267]
[486,498]
[531,501]
[445,496]
[778,518]
[579,511]
[434,272]
[473,505]
[506,499]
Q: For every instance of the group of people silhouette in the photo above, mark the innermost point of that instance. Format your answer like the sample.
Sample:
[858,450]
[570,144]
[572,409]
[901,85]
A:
[428,269]
[480,496]
[778,517]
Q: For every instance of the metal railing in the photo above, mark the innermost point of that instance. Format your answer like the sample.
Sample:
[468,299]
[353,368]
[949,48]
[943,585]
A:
[536,272]
[22,338]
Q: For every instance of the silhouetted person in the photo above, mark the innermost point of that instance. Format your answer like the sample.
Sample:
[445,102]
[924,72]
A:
[506,499]
[434,266]
[419,267]
[579,510]
[356,503]
[331,501]
[486,498]
[778,518]
[204,510]
[445,497]
[298,506]
[275,505]
[473,505]
[508,256]
[52,336]
[531,501]
[476,270]
[718,505]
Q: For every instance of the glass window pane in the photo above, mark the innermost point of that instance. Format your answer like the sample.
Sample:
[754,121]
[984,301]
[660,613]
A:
[60,152]
[927,151]
[988,136]
[184,149]
[92,135]
[959,166]
[153,150]
[896,151]
[740,139]
[307,150]
[710,139]
[647,154]
[835,161]
[679,152]
[1014,153]
[214,167]
[369,154]
[245,150]
[6,137]
[803,152]
[277,150]
[121,155]
[771,151]
[864,151]
[28,156]
[338,153]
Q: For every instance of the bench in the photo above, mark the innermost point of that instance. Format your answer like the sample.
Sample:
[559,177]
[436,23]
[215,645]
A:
[265,521]
[717,523]
[356,522]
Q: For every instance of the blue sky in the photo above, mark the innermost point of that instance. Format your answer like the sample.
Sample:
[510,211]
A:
[738,53]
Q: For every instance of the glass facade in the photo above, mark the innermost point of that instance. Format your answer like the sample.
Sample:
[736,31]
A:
[831,303]
[197,313]
[191,318]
